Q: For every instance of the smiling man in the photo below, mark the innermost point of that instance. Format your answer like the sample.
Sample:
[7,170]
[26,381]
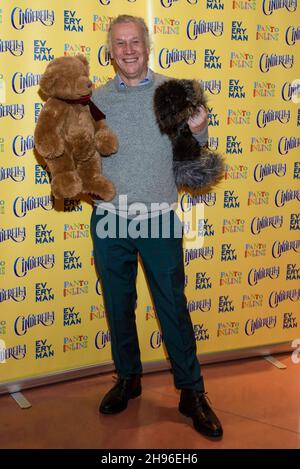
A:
[142,171]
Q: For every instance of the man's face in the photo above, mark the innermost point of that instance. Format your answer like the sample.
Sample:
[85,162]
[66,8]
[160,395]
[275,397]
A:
[129,52]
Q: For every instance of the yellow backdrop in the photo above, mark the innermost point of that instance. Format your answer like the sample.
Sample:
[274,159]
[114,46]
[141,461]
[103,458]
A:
[242,272]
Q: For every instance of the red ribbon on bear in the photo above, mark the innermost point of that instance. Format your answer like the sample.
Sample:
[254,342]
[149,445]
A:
[86,101]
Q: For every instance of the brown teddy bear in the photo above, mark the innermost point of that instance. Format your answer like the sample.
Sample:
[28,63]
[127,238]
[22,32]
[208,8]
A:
[70,130]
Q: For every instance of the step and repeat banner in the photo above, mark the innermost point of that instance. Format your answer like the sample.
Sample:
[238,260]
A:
[243,268]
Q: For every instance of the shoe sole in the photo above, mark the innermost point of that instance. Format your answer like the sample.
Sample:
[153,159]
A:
[136,393]
[207,435]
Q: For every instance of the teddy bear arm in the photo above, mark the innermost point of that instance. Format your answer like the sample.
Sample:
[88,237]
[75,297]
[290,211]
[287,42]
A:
[106,140]
[47,136]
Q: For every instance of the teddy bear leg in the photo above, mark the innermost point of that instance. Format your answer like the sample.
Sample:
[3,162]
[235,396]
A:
[93,182]
[105,140]
[65,182]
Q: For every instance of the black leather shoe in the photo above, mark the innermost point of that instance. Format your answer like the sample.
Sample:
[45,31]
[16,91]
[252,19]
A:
[117,398]
[194,404]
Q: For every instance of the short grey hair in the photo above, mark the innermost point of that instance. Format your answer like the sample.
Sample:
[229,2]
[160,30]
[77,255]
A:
[129,19]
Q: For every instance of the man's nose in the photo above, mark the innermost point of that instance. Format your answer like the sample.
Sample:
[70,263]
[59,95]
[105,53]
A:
[128,49]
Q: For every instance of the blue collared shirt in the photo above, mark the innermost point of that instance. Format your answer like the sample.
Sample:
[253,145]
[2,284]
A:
[122,85]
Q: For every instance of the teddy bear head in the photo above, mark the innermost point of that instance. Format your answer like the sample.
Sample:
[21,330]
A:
[67,78]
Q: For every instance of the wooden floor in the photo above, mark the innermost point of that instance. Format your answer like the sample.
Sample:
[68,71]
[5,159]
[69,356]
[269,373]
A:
[258,404]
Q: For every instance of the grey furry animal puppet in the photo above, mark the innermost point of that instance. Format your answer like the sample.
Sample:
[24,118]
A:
[195,167]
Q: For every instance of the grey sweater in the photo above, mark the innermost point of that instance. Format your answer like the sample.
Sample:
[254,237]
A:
[142,169]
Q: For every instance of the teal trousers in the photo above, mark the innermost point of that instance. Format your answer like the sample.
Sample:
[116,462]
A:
[116,260]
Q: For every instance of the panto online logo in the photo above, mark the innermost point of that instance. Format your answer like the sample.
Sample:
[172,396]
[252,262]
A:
[290,91]
[233,225]
[276,298]
[22,266]
[199,305]
[165,25]
[206,253]
[236,90]
[100,80]
[247,5]
[42,53]
[258,198]
[18,234]
[286,144]
[233,146]
[252,325]
[255,275]
[102,23]
[281,247]
[269,6]
[15,111]
[255,249]
[266,32]
[225,304]
[76,231]
[252,301]
[16,294]
[17,352]
[228,328]
[70,50]
[258,224]
[263,170]
[238,117]
[168,57]
[103,56]
[264,89]
[265,117]
[97,312]
[241,60]
[150,313]
[22,206]
[194,28]
[202,281]
[236,172]
[71,317]
[75,342]
[102,338]
[15,47]
[212,86]
[232,277]
[23,324]
[75,287]
[20,18]
[20,144]
[261,144]
[266,62]
[72,205]
[282,197]
[72,22]
[15,173]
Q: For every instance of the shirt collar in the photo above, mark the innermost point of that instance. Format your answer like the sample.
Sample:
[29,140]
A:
[122,85]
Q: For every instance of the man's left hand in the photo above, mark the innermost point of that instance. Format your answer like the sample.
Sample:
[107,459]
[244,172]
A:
[198,121]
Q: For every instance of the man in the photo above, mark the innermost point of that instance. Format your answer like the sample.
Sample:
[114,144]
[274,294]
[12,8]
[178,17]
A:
[142,173]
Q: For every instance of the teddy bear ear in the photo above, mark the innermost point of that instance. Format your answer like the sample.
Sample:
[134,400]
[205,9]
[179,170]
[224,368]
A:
[47,82]
[82,59]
